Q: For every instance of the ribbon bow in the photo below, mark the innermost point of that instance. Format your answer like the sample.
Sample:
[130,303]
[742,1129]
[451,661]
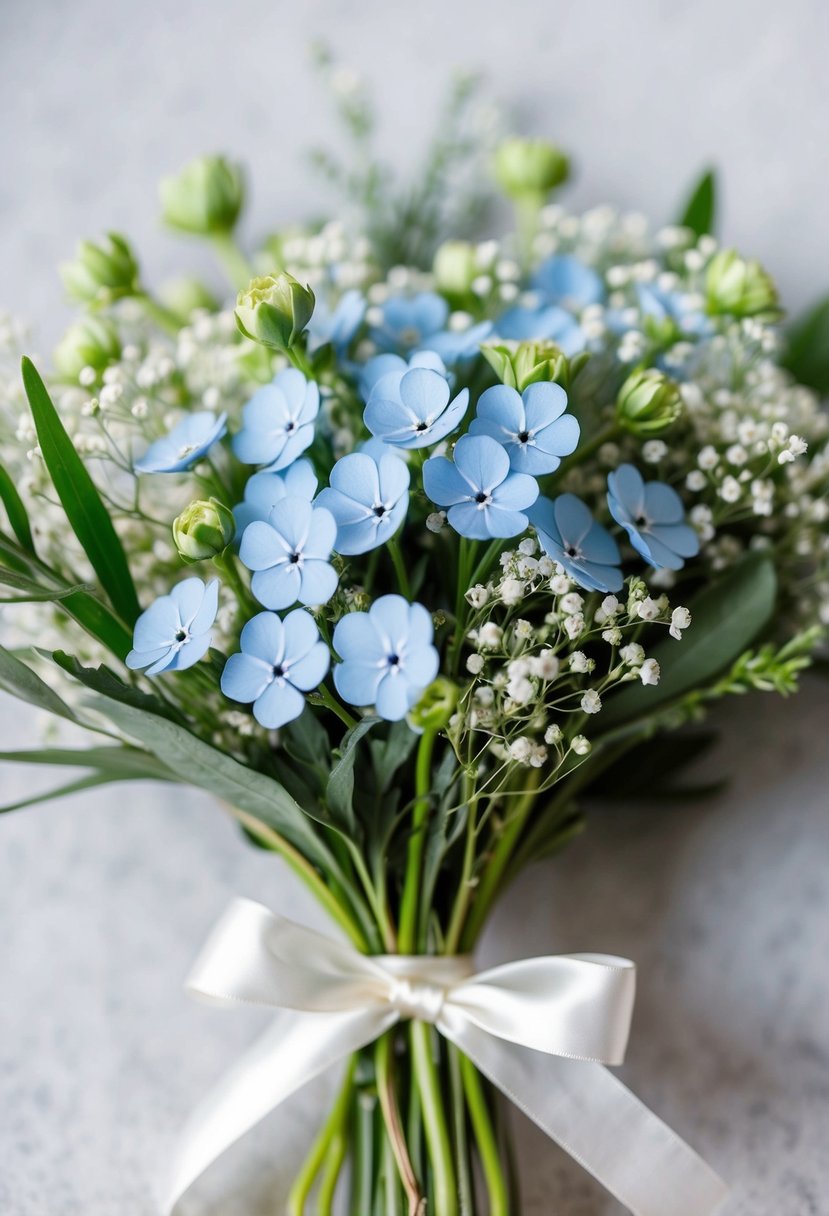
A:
[574,1008]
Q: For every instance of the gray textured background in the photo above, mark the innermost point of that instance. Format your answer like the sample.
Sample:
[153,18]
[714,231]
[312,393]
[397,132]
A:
[104,898]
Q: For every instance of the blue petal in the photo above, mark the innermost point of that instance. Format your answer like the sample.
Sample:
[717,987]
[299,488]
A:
[628,488]
[566,280]
[278,704]
[424,392]
[503,407]
[599,546]
[190,653]
[679,537]
[662,503]
[395,696]
[443,483]
[318,582]
[390,617]
[393,477]
[157,625]
[294,445]
[542,516]
[573,519]
[206,613]
[517,492]
[376,369]
[301,633]
[262,546]
[449,421]
[277,587]
[136,659]
[561,437]
[310,671]
[481,461]
[543,403]
[356,476]
[468,519]
[356,682]
[356,638]
[263,636]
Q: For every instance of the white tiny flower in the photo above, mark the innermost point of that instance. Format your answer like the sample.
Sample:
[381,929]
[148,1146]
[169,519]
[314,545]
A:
[730,490]
[435,520]
[545,665]
[736,454]
[632,654]
[475,664]
[477,596]
[528,546]
[610,605]
[654,450]
[87,376]
[553,735]
[612,636]
[648,610]
[520,749]
[680,619]
[520,690]
[560,584]
[490,636]
[649,672]
[579,661]
[485,695]
[538,756]
[573,625]
[708,458]
[591,702]
[512,591]
[695,480]
[571,603]
[545,566]
[523,630]
[580,745]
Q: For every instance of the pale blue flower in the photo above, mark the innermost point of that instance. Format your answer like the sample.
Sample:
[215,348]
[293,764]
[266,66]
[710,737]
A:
[459,345]
[186,443]
[544,323]
[414,412]
[289,554]
[174,632]
[278,421]
[368,497]
[383,366]
[280,660]
[532,425]
[653,516]
[336,325]
[563,279]
[410,321]
[265,489]
[485,498]
[387,655]
[583,548]
[672,309]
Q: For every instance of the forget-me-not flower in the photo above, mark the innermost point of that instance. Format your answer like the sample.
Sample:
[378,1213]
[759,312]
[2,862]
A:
[653,516]
[381,367]
[543,323]
[671,313]
[387,654]
[336,325]
[278,421]
[279,661]
[415,411]
[565,280]
[583,548]
[532,425]
[458,345]
[484,496]
[265,489]
[410,321]
[186,443]
[174,632]
[368,496]
[289,554]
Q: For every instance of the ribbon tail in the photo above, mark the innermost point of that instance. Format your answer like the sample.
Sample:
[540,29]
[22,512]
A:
[295,1049]
[599,1122]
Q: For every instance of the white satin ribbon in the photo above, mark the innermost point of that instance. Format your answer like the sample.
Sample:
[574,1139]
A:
[575,1008]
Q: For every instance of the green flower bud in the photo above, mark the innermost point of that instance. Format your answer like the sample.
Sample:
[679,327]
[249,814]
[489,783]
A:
[519,364]
[274,310]
[529,167]
[435,707]
[739,287]
[648,403]
[92,342]
[204,198]
[102,272]
[186,296]
[454,267]
[204,529]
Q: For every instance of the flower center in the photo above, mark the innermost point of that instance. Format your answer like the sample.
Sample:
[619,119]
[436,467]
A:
[483,499]
[278,671]
[294,558]
[572,551]
[422,426]
[642,521]
[290,425]
[524,436]
[394,660]
[185,450]
[380,510]
[409,335]
[181,635]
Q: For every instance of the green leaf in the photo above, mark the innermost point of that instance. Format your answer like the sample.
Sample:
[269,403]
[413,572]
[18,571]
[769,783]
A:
[101,679]
[18,679]
[126,762]
[62,791]
[18,518]
[339,792]
[700,211]
[199,764]
[80,500]
[725,619]
[389,754]
[32,592]
[807,356]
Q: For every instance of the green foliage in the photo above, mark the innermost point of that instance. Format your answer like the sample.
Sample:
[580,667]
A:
[79,498]
[16,511]
[769,668]
[807,356]
[700,210]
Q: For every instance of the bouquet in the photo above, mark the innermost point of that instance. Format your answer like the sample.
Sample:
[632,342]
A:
[401,561]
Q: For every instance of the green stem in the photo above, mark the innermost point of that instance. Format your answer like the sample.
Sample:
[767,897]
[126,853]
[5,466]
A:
[437,1134]
[300,361]
[466,556]
[393,546]
[158,313]
[327,698]
[330,1131]
[465,887]
[225,563]
[231,259]
[466,1193]
[407,934]
[391,1117]
[331,1171]
[485,564]
[608,433]
[485,1138]
[527,208]
[362,1183]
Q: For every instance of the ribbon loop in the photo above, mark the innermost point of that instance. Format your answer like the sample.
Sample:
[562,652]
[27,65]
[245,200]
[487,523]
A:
[575,1009]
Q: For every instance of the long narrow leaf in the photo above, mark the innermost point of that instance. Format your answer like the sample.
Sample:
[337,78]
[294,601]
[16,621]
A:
[700,211]
[33,591]
[807,356]
[62,791]
[80,500]
[16,511]
[127,762]
[19,680]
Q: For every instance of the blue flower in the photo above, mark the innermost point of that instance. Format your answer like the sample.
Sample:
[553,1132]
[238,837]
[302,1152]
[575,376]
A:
[280,660]
[532,425]
[485,499]
[265,489]
[672,310]
[544,323]
[289,554]
[368,497]
[653,516]
[278,421]
[456,346]
[415,411]
[409,321]
[563,279]
[186,443]
[584,549]
[387,656]
[336,325]
[174,632]
[393,368]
